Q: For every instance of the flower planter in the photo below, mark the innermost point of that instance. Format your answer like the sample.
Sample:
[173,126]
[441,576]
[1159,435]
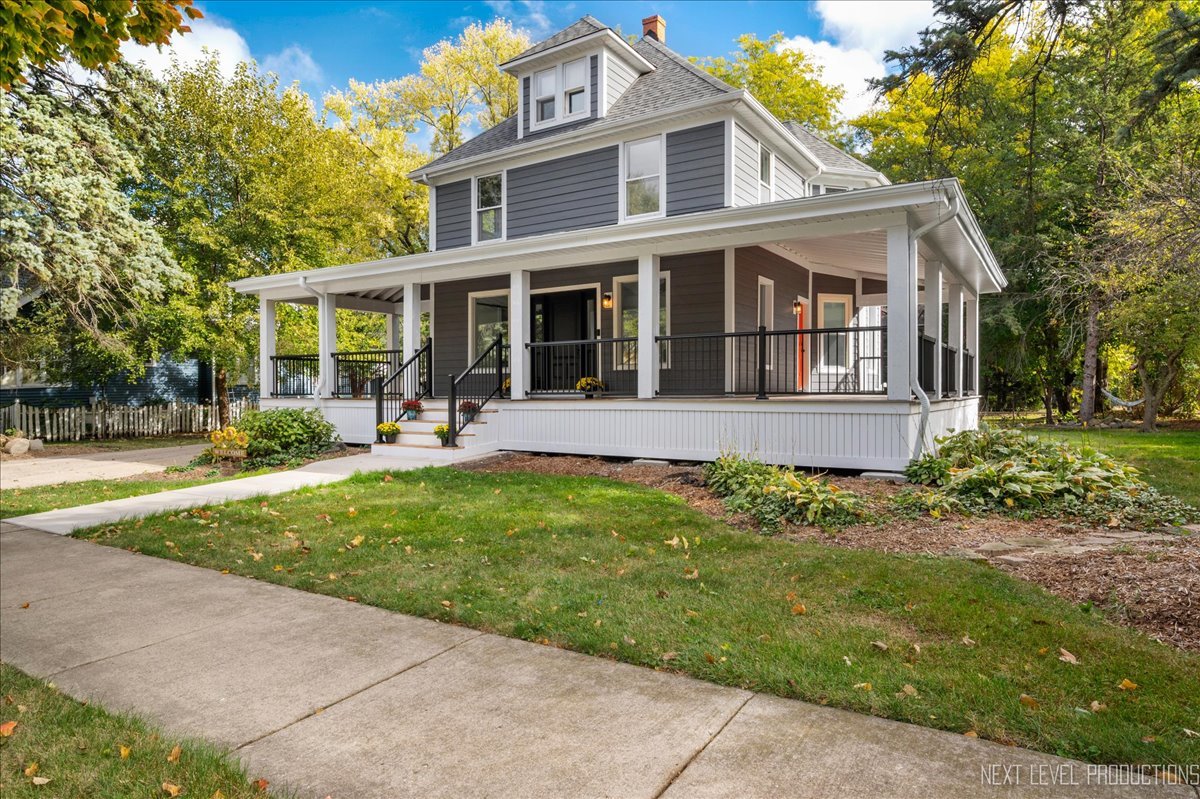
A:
[469,416]
[410,415]
[391,438]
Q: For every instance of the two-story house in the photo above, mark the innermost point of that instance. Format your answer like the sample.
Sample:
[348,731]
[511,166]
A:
[645,262]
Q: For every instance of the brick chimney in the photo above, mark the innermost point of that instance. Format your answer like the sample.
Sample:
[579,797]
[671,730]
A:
[656,28]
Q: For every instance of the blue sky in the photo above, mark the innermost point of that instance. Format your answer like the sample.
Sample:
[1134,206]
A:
[325,44]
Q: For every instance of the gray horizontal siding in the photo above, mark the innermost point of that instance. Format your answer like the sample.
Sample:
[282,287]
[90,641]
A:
[579,191]
[788,183]
[696,169]
[791,280]
[453,214]
[745,167]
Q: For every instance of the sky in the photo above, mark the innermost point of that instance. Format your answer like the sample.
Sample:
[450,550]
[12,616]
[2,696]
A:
[323,44]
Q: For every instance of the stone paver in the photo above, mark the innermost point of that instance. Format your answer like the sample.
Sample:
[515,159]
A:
[413,708]
[1019,549]
[30,472]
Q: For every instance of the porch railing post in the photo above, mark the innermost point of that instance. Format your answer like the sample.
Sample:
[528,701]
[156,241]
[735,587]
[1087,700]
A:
[377,389]
[499,366]
[762,362]
[452,415]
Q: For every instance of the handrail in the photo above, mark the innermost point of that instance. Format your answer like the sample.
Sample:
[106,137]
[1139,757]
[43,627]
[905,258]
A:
[579,341]
[457,419]
[415,376]
[386,381]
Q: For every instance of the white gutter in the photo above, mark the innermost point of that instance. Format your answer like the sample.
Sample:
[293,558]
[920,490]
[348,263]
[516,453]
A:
[914,382]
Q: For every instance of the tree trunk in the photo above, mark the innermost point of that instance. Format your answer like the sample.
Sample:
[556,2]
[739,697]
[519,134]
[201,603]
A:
[1048,401]
[222,398]
[1091,355]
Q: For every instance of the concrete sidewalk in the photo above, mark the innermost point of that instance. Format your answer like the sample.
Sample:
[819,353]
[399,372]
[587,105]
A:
[330,698]
[31,472]
[67,520]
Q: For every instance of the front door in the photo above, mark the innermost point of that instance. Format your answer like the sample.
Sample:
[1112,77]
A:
[563,316]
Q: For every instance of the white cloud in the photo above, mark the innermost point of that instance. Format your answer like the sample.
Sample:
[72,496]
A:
[293,63]
[207,34]
[855,37]
[527,15]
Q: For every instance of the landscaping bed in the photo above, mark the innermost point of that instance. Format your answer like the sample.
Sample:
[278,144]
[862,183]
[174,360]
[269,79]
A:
[1151,586]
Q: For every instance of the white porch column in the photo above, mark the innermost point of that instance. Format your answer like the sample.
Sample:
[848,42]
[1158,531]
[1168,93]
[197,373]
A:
[326,343]
[518,333]
[730,313]
[971,333]
[902,312]
[411,341]
[933,320]
[266,347]
[648,268]
[954,333]
[393,332]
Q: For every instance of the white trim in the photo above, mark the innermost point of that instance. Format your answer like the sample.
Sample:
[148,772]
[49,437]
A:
[475,209]
[602,84]
[618,331]
[562,115]
[607,34]
[622,162]
[820,366]
[769,184]
[432,217]
[477,295]
[730,162]
[521,106]
[758,319]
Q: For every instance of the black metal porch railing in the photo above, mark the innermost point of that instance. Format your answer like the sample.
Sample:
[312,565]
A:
[927,362]
[355,372]
[556,367]
[949,370]
[968,372]
[413,380]
[484,379]
[294,375]
[844,360]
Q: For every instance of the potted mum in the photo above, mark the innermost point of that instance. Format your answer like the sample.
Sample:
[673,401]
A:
[412,408]
[388,431]
[469,409]
[442,431]
[590,386]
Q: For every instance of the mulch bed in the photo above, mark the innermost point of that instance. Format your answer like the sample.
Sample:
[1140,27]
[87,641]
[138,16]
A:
[1153,587]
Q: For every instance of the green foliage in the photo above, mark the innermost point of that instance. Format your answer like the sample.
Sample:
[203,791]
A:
[995,469]
[916,502]
[280,435]
[772,495]
[387,429]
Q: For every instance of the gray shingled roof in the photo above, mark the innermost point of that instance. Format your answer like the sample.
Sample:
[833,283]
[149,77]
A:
[826,152]
[585,26]
[674,81]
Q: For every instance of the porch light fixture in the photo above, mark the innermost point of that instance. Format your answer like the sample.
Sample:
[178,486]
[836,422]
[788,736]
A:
[606,300]
[798,306]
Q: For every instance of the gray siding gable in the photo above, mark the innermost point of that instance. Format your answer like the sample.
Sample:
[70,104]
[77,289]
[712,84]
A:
[696,169]
[571,193]
[453,214]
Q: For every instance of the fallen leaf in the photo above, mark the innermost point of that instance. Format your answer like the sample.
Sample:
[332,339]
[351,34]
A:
[25,606]
[917,648]
[709,658]
[880,645]
[352,513]
[906,691]
[863,686]
[628,641]
[673,655]
[1126,684]
[970,734]
[446,603]
[325,518]
[1067,657]
[40,780]
[277,568]
[171,789]
[354,542]
[691,574]
[1191,733]
[387,478]
[798,609]
[31,769]
[968,641]
[6,729]
[1098,706]
[847,659]
[176,751]
[217,794]
[260,784]
[256,555]
[1029,702]
[125,751]
[790,596]
[1149,739]
[1043,650]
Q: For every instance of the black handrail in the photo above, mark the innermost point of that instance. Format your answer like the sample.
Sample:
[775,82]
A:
[355,372]
[294,375]
[413,380]
[472,389]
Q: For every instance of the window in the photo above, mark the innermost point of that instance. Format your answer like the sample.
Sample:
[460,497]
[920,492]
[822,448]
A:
[575,99]
[625,318]
[766,303]
[643,177]
[833,311]
[764,175]
[545,91]
[489,207]
[489,318]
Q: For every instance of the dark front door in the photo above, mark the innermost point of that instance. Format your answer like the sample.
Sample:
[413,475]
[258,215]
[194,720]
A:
[568,317]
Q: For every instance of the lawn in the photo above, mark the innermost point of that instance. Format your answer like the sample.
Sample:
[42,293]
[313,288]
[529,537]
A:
[1169,459]
[632,573]
[21,501]
[81,750]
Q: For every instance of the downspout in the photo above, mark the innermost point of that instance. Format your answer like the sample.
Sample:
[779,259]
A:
[319,391]
[914,380]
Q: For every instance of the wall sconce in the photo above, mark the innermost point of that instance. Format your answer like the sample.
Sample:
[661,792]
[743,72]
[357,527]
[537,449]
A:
[798,306]
[606,300]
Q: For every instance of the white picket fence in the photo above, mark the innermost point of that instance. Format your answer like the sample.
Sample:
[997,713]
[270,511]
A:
[100,420]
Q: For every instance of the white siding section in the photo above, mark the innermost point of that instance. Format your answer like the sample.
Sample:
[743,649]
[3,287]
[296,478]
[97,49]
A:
[788,183]
[620,75]
[745,167]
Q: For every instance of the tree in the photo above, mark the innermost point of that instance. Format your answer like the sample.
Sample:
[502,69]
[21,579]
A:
[79,267]
[41,32]
[787,82]
[244,182]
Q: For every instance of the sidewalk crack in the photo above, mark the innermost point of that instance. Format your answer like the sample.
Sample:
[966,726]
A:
[675,774]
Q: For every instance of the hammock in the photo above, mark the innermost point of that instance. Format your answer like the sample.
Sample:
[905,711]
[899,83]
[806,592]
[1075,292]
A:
[1115,400]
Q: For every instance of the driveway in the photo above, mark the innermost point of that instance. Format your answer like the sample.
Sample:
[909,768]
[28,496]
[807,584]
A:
[30,472]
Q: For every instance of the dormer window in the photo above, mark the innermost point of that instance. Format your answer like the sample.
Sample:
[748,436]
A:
[560,94]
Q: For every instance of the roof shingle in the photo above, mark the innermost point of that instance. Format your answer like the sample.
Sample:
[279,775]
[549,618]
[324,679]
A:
[585,26]
[826,152]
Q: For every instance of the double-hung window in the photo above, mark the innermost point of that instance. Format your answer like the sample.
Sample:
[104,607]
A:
[561,93]
[625,319]
[489,207]
[545,95]
[643,177]
[575,95]
[765,175]
[834,311]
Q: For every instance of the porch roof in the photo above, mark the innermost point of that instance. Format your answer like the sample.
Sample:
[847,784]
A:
[959,243]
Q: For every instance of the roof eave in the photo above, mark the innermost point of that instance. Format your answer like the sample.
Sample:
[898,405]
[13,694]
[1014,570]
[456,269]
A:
[511,67]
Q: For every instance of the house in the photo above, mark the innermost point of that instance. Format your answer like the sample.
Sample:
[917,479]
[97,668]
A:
[167,379]
[728,280]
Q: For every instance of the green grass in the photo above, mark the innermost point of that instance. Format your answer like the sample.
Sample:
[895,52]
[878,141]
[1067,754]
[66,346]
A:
[601,567]
[22,501]
[78,747]
[1168,459]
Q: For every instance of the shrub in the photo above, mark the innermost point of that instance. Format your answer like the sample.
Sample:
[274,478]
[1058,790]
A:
[281,435]
[914,502]
[771,495]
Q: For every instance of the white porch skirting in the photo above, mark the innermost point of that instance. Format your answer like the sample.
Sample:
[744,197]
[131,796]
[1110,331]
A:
[846,433]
